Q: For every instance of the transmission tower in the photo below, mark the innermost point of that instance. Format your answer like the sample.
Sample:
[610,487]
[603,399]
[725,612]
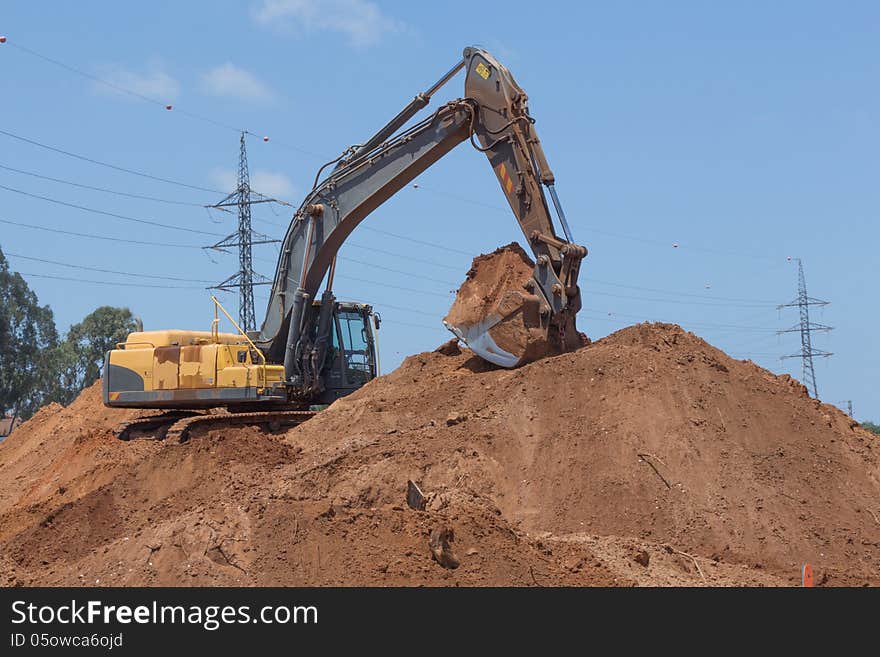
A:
[244,238]
[805,328]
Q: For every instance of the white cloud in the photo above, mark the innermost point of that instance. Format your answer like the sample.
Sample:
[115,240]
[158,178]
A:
[224,179]
[235,82]
[360,20]
[268,183]
[272,183]
[154,83]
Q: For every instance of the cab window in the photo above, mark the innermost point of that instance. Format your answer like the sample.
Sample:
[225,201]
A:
[353,348]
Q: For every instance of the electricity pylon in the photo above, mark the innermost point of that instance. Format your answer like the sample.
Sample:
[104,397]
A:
[244,238]
[805,328]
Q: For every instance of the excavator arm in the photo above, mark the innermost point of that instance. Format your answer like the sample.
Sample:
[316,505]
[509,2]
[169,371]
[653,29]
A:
[494,111]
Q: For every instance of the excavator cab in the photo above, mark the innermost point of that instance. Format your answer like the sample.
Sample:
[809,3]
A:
[352,358]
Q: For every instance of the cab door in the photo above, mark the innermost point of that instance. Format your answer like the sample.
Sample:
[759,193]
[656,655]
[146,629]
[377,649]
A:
[334,370]
[350,359]
[357,348]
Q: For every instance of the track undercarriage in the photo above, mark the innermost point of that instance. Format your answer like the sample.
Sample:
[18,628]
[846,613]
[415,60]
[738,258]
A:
[179,425]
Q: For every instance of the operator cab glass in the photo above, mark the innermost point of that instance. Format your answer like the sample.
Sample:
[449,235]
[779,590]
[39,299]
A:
[355,347]
[351,360]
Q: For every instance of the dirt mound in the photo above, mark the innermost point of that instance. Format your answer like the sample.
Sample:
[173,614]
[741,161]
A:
[648,457]
[649,433]
[237,507]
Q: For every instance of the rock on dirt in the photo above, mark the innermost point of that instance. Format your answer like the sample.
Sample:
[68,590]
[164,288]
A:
[440,543]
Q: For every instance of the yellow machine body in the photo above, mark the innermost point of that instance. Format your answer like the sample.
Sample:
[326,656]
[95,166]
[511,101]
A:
[188,369]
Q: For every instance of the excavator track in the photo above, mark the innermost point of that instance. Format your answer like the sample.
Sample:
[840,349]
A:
[158,424]
[274,420]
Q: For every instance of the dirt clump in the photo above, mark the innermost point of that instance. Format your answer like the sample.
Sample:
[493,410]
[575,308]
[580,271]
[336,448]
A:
[489,279]
[494,310]
[440,541]
[646,458]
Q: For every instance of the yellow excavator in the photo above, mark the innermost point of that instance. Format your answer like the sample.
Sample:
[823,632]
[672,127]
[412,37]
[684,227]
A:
[312,350]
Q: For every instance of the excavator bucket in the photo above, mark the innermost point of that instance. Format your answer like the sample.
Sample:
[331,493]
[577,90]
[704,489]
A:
[498,317]
[509,334]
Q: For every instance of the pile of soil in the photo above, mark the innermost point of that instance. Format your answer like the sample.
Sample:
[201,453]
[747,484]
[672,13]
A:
[648,457]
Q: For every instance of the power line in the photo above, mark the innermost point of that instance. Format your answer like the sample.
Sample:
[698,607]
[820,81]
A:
[681,294]
[108,214]
[111,283]
[226,126]
[751,341]
[165,104]
[675,301]
[98,237]
[423,242]
[99,189]
[344,277]
[407,289]
[403,256]
[94,78]
[632,238]
[108,165]
[397,271]
[419,326]
[591,292]
[498,208]
[104,271]
[372,249]
[694,324]
[414,311]
[748,303]
[395,287]
[116,87]
[415,241]
[205,189]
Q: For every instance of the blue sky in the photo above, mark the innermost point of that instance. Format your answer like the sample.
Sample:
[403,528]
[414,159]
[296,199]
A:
[745,133]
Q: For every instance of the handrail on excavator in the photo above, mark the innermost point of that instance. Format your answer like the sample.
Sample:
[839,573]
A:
[122,345]
[215,335]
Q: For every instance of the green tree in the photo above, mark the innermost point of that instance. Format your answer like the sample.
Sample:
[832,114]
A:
[79,358]
[28,341]
[870,426]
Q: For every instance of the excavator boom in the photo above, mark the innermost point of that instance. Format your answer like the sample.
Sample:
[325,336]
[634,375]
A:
[494,110]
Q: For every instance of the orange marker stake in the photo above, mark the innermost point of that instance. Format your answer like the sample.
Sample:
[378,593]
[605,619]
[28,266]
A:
[807,576]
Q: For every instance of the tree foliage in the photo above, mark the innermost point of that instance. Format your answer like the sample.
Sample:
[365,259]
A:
[80,356]
[37,366]
[870,426]
[28,341]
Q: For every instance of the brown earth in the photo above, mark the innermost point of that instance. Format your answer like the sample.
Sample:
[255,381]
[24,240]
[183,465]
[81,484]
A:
[646,458]
[494,289]
[490,277]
